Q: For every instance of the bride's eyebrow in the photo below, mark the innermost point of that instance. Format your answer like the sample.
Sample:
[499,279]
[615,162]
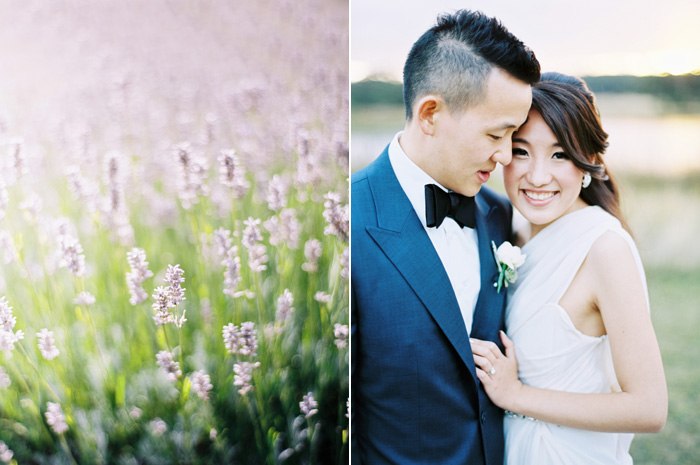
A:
[519,140]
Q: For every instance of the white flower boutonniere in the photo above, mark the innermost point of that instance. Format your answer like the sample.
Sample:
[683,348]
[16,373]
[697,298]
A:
[508,259]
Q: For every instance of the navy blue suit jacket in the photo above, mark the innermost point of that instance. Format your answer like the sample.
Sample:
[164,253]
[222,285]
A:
[415,395]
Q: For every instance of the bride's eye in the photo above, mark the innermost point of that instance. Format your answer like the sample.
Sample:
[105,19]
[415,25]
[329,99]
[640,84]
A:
[518,152]
[561,156]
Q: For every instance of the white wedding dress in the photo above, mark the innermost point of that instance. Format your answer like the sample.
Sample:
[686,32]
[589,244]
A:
[552,353]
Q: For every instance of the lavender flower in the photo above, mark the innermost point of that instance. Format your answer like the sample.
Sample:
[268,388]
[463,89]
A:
[322,297]
[336,216]
[243,340]
[158,427]
[18,159]
[308,405]
[308,170]
[210,121]
[201,384]
[7,248]
[167,298]
[161,307]
[139,273]
[257,254]
[174,276]
[84,190]
[85,299]
[223,242]
[284,229]
[115,209]
[4,199]
[47,344]
[8,337]
[6,453]
[341,333]
[116,192]
[231,174]
[277,193]
[284,306]
[31,206]
[312,252]
[243,376]
[55,418]
[135,413]
[166,361]
[4,379]
[251,233]
[193,171]
[345,263]
[257,258]
[72,255]
[232,272]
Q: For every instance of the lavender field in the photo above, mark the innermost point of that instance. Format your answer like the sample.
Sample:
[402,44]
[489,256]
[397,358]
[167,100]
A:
[173,232]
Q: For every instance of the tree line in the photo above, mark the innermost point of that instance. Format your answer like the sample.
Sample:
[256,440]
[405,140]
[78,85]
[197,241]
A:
[683,91]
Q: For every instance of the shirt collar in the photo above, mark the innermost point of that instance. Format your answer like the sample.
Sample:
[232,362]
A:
[412,178]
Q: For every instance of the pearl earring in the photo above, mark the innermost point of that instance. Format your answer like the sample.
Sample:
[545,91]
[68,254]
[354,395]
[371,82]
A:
[586,179]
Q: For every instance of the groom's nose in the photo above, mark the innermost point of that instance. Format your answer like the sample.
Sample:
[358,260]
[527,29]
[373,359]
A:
[504,152]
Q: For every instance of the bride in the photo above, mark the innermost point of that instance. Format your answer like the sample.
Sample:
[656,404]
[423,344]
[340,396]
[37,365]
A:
[582,368]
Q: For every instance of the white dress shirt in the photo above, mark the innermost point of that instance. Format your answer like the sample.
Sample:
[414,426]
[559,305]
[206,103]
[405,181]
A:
[457,247]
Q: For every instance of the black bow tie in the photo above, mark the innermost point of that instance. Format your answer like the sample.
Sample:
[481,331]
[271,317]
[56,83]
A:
[440,204]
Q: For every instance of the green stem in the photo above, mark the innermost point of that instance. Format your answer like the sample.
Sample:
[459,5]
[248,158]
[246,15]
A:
[31,363]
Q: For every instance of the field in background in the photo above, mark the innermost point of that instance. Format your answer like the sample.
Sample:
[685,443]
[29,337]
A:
[174,233]
[663,212]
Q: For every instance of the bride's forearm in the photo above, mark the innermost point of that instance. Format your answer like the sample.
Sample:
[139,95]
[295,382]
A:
[611,412]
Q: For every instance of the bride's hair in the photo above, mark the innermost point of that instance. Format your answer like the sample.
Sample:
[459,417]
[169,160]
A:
[569,108]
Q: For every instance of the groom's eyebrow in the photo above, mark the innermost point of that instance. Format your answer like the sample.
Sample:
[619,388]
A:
[507,126]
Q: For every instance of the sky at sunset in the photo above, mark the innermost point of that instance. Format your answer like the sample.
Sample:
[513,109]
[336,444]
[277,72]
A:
[596,37]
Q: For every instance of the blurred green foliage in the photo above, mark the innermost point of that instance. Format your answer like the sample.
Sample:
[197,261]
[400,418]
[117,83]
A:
[683,91]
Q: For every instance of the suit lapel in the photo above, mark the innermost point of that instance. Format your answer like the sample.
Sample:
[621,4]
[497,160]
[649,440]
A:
[401,236]
[487,314]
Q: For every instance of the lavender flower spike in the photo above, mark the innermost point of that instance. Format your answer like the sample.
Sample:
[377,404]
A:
[243,340]
[47,344]
[8,336]
[166,361]
[55,418]
[312,252]
[308,405]
[285,307]
[174,276]
[72,255]
[336,216]
[136,258]
[6,453]
[201,384]
[243,376]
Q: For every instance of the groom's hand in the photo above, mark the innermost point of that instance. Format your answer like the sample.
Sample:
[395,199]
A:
[497,372]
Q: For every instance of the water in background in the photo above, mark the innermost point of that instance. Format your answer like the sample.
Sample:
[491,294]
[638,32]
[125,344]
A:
[644,137]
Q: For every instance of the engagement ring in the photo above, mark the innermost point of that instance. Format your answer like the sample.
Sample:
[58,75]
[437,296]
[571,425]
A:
[492,371]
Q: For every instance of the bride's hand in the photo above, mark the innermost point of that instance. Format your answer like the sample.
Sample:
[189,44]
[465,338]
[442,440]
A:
[497,372]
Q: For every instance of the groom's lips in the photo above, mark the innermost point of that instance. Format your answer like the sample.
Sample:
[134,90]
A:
[483,176]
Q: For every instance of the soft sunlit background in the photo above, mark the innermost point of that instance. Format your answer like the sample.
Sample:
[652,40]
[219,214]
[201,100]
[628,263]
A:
[642,59]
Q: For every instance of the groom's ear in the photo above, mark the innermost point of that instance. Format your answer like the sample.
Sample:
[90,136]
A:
[427,112]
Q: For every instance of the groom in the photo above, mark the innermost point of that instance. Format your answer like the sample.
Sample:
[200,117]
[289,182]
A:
[422,264]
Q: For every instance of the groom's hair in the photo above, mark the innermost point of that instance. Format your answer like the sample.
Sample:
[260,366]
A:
[453,59]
